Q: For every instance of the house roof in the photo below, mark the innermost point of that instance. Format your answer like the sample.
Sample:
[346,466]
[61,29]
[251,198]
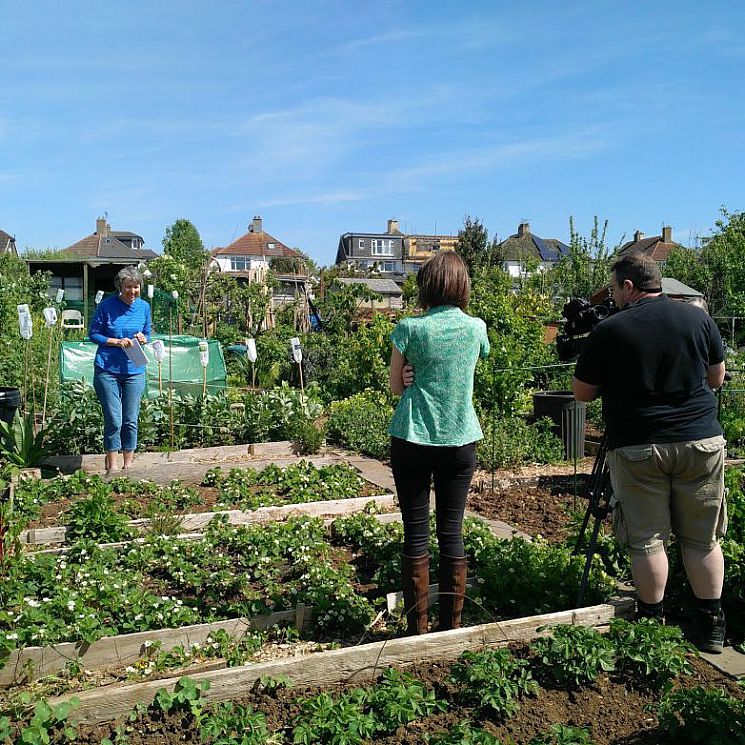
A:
[519,247]
[654,247]
[256,243]
[670,286]
[5,239]
[381,286]
[107,247]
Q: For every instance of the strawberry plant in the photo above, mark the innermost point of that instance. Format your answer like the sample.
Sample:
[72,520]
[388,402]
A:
[493,680]
[96,518]
[574,655]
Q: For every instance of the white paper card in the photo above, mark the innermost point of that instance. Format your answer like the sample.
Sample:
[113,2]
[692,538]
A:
[136,354]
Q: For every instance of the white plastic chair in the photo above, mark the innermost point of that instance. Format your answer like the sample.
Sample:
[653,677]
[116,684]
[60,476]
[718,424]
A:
[72,319]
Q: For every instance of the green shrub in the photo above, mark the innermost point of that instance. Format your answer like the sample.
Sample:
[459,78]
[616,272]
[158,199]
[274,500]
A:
[361,423]
[307,437]
[96,518]
[521,578]
[512,441]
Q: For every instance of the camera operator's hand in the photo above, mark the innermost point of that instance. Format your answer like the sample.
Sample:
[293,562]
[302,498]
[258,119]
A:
[407,375]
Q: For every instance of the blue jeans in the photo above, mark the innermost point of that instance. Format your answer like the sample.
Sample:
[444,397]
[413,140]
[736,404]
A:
[120,396]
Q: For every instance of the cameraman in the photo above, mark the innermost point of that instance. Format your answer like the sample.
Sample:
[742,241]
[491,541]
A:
[656,365]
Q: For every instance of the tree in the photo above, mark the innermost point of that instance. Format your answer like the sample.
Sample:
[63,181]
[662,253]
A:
[182,243]
[587,266]
[718,269]
[473,243]
[301,264]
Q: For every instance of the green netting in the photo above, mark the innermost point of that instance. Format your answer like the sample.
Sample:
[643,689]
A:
[76,363]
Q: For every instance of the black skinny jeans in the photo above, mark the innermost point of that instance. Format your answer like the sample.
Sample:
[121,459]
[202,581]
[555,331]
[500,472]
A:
[414,468]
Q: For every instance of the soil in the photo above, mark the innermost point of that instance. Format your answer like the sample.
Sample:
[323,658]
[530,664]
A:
[612,709]
[536,505]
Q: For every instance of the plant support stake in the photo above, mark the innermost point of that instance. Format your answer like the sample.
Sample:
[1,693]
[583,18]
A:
[50,318]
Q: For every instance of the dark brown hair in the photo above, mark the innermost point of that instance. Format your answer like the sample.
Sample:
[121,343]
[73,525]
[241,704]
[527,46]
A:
[444,280]
[642,270]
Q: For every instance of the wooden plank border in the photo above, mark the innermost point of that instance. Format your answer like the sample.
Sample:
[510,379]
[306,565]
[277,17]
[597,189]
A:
[198,520]
[353,664]
[30,663]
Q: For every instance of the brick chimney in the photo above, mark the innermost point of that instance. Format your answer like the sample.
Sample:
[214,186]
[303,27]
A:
[523,229]
[102,227]
[256,225]
[638,235]
[667,234]
[393,226]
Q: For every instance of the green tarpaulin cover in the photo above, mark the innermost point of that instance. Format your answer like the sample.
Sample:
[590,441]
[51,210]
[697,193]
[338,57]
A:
[76,363]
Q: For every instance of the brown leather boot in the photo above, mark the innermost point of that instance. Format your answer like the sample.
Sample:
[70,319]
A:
[415,580]
[453,571]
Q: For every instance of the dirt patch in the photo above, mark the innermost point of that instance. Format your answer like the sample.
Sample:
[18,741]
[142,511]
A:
[537,506]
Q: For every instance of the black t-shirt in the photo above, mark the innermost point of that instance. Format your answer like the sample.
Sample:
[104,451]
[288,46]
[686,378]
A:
[650,362]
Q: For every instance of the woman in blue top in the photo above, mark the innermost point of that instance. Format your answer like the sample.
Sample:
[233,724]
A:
[434,432]
[119,384]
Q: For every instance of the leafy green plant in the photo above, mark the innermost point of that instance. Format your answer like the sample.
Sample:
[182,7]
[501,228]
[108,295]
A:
[186,695]
[96,518]
[463,733]
[702,715]
[307,437]
[573,655]
[650,651]
[227,723]
[493,680]
[48,724]
[19,444]
[344,721]
[399,698]
[561,734]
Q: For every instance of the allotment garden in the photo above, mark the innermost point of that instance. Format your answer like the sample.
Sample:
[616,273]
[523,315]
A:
[241,583]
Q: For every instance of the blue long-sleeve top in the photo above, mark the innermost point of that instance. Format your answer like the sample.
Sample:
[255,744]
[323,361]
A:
[114,319]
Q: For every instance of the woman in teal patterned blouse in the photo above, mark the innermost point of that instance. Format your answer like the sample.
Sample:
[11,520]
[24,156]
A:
[434,433]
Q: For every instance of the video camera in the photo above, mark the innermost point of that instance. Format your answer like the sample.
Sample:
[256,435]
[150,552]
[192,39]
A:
[581,318]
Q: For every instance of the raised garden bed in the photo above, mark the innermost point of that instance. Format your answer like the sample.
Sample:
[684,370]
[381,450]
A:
[82,500]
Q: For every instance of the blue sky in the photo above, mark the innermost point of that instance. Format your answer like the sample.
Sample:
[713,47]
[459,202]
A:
[326,117]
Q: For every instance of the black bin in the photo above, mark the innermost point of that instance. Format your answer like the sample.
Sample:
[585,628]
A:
[10,402]
[568,417]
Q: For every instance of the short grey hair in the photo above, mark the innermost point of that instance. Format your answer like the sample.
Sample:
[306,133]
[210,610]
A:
[128,274]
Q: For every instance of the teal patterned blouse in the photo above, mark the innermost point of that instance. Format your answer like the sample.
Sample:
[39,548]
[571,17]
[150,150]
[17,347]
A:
[443,345]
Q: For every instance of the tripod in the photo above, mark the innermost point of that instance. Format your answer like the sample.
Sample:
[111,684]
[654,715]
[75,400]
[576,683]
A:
[598,494]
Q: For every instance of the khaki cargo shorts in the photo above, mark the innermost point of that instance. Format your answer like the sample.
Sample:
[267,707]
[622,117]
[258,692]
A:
[673,487]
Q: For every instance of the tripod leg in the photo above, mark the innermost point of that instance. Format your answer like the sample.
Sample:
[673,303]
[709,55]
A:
[588,562]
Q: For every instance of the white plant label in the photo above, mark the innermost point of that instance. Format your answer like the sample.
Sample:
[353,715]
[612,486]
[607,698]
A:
[251,349]
[159,350]
[60,296]
[297,350]
[25,324]
[50,317]
[99,297]
[204,353]
[150,291]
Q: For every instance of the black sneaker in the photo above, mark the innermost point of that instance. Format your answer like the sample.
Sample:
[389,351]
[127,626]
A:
[709,632]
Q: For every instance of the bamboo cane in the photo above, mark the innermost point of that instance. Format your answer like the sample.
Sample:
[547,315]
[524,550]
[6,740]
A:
[46,382]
